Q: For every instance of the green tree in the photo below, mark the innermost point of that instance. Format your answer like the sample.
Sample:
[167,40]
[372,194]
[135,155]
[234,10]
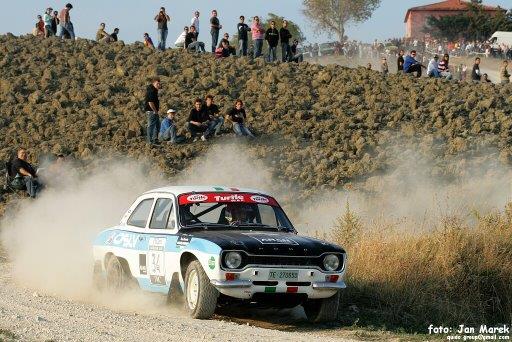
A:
[333,16]
[476,24]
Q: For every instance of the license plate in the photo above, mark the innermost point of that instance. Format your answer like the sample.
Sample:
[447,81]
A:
[283,275]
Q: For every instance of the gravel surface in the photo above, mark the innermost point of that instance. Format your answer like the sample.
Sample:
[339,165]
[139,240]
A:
[35,316]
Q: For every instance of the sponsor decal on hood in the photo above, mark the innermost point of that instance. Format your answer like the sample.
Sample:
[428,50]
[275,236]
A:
[272,239]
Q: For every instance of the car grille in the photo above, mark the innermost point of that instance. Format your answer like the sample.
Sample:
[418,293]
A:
[285,261]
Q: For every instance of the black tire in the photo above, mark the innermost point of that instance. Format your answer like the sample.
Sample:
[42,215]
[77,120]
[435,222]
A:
[117,277]
[322,310]
[200,302]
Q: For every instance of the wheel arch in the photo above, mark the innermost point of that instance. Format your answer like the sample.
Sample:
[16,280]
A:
[123,261]
[185,259]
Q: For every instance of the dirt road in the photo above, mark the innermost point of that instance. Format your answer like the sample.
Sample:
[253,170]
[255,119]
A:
[33,316]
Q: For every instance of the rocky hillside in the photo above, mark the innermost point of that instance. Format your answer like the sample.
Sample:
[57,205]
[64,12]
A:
[319,126]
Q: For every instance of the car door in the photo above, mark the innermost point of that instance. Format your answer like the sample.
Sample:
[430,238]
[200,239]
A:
[161,257]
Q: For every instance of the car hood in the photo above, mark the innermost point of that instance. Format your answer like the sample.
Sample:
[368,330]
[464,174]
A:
[267,243]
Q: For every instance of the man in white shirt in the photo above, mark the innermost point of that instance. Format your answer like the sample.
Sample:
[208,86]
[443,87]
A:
[432,69]
[195,21]
[180,41]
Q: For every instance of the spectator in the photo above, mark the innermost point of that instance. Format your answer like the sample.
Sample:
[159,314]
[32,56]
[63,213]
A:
[384,66]
[39,27]
[212,111]
[411,65]
[400,62]
[504,74]
[195,21]
[55,22]
[258,33]
[47,18]
[168,129]
[485,79]
[369,66]
[191,42]
[285,36]
[148,41]
[242,29]
[162,18]
[296,56]
[66,26]
[475,74]
[25,173]
[272,38]
[444,68]
[199,122]
[180,41]
[152,106]
[114,35]
[237,116]
[215,28]
[225,38]
[433,67]
[224,50]
[102,35]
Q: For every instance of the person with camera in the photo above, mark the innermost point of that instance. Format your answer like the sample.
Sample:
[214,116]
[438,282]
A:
[162,18]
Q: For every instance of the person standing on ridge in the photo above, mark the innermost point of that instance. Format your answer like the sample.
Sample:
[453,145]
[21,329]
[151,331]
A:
[55,22]
[400,62]
[475,74]
[66,26]
[152,106]
[47,18]
[162,18]
[285,35]
[242,28]
[215,28]
[272,38]
[258,33]
[195,22]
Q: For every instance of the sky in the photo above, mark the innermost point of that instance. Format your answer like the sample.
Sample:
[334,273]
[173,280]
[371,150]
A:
[134,17]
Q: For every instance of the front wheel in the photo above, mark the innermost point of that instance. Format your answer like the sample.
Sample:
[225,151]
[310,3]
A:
[200,295]
[322,310]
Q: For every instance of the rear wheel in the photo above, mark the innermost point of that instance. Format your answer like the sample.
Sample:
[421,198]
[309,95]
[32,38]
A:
[200,295]
[322,310]
[117,277]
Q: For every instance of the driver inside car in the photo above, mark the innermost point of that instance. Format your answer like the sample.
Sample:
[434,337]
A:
[237,213]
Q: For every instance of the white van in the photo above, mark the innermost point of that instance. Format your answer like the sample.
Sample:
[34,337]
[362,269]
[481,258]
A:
[501,37]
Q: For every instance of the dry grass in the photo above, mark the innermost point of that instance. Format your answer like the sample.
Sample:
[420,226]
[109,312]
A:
[453,274]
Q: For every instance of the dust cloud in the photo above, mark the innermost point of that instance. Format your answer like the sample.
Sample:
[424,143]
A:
[49,240]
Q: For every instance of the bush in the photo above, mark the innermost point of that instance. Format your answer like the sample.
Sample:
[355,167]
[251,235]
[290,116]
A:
[454,274]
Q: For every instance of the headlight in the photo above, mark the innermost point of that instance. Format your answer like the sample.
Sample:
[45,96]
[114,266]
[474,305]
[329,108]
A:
[233,259]
[331,262]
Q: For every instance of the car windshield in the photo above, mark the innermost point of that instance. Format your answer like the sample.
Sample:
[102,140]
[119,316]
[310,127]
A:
[235,210]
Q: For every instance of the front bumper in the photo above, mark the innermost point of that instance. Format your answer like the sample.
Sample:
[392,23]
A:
[311,282]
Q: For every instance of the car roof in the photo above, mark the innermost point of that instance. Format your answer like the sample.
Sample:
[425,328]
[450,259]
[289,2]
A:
[178,190]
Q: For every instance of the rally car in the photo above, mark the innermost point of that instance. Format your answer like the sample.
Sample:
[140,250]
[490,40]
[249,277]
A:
[211,246]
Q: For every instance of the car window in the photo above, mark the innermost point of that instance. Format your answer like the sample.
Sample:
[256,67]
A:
[268,215]
[163,208]
[140,215]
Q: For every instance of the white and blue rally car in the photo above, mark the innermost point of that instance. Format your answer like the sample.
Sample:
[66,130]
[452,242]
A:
[211,246]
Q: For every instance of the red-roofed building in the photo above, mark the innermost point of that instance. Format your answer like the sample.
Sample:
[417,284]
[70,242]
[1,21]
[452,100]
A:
[416,17]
